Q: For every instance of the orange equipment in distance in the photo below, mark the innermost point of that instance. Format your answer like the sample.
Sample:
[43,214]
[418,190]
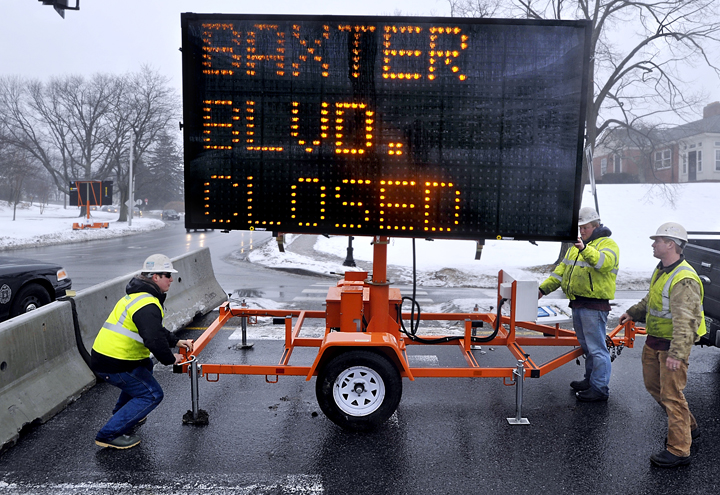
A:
[90,190]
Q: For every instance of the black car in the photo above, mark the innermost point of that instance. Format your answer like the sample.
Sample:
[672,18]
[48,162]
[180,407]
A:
[170,215]
[28,284]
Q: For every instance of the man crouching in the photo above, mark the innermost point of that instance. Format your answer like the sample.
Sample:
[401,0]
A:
[121,352]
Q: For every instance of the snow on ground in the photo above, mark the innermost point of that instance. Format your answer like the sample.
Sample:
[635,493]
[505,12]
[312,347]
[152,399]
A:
[52,224]
[633,212]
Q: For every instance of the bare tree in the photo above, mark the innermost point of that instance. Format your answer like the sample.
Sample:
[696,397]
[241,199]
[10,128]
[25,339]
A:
[79,129]
[62,124]
[16,168]
[474,8]
[639,50]
[161,176]
[39,186]
[147,109]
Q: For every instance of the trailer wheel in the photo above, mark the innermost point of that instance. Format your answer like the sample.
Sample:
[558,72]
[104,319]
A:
[359,390]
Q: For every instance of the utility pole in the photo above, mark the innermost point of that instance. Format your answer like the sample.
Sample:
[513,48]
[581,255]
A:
[130,203]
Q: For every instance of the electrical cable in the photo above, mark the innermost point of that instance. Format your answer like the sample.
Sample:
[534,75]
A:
[78,335]
[415,321]
[497,325]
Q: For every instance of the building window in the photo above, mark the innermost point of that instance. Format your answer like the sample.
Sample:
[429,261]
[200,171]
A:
[717,143]
[699,161]
[717,160]
[617,167]
[662,160]
[603,166]
[684,160]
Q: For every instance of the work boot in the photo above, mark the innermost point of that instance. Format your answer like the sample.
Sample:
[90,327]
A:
[580,385]
[590,395]
[121,442]
[666,459]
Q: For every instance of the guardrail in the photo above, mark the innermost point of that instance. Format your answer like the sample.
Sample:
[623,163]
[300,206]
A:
[41,368]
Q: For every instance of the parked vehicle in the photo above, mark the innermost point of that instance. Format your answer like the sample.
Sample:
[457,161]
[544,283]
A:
[703,254]
[170,215]
[28,284]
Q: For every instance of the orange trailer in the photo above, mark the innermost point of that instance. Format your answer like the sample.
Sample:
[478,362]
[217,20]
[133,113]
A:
[362,357]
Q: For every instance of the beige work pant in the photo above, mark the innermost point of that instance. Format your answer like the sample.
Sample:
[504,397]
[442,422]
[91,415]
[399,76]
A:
[667,387]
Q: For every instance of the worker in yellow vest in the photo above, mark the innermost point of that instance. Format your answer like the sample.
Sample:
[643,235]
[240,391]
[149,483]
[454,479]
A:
[587,276]
[121,352]
[674,318]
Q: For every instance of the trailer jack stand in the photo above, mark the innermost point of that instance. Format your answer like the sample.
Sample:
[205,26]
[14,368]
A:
[196,416]
[244,343]
[518,378]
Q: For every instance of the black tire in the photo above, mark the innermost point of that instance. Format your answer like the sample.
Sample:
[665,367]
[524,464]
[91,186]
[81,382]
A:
[359,390]
[30,297]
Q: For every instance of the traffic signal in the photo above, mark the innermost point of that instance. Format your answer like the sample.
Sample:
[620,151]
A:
[62,5]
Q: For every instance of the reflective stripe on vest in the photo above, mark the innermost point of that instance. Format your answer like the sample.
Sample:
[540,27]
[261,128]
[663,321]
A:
[585,264]
[665,311]
[659,317]
[119,327]
[119,338]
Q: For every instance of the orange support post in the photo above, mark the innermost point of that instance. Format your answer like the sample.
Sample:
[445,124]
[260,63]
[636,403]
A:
[380,290]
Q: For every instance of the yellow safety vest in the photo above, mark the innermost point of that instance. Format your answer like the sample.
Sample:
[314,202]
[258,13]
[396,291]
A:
[592,277]
[119,338]
[659,317]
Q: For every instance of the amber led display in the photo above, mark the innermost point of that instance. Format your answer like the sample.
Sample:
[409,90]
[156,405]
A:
[415,127]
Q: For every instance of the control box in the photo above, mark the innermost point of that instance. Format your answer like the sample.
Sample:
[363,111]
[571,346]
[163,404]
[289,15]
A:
[526,296]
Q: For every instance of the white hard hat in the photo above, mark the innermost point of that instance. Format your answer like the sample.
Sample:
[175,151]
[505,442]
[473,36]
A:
[158,263]
[674,231]
[588,215]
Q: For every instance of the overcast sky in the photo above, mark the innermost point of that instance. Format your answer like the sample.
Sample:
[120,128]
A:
[118,36]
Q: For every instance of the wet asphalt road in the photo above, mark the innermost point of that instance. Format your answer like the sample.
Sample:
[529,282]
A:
[449,435]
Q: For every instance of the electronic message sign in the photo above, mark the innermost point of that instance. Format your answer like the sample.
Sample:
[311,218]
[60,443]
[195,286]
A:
[414,127]
[91,192]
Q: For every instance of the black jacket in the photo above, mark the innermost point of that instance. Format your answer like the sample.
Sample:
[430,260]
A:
[155,337]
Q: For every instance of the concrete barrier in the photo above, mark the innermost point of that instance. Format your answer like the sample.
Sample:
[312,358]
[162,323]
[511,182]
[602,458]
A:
[194,292]
[41,369]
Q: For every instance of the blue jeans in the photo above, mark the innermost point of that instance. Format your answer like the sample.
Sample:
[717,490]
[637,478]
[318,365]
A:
[590,328]
[141,393]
